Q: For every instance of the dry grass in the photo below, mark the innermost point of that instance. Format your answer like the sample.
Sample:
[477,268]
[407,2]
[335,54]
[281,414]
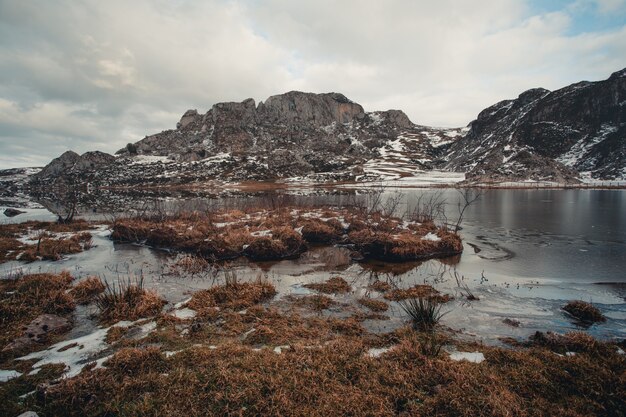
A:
[335,285]
[233,296]
[86,290]
[318,231]
[380,286]
[25,298]
[585,312]
[417,291]
[339,378]
[226,235]
[316,302]
[405,245]
[45,247]
[127,300]
[374,305]
[190,264]
[115,333]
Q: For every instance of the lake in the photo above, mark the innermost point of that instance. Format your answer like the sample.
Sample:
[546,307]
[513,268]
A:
[526,253]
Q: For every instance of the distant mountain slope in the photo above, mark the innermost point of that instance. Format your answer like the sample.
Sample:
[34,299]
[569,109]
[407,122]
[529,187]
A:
[302,135]
[577,130]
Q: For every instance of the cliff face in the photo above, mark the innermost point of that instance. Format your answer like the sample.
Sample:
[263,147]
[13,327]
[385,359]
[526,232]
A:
[579,129]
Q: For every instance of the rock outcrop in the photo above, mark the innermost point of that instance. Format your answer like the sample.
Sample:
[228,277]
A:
[559,135]
[291,135]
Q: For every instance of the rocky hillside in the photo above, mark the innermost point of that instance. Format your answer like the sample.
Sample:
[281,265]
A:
[300,136]
[579,130]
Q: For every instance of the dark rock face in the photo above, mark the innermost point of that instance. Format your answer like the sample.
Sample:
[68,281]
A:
[549,135]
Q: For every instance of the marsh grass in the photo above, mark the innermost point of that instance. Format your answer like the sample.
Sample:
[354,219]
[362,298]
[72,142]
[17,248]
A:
[585,312]
[86,290]
[127,300]
[424,312]
[334,285]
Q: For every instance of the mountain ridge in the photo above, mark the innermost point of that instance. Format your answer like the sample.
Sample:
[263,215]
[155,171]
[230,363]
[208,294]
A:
[560,135]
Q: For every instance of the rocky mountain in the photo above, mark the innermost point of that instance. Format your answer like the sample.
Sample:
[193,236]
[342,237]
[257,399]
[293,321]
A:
[304,136]
[579,130]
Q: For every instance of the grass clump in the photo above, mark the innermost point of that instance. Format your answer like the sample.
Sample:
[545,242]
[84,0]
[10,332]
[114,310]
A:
[417,291]
[127,301]
[190,264]
[25,298]
[317,302]
[335,285]
[380,286]
[86,290]
[233,295]
[137,361]
[318,231]
[374,305]
[585,312]
[424,312]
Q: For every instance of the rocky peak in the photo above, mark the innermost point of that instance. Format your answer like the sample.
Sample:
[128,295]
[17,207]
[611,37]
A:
[59,165]
[531,95]
[233,113]
[188,117]
[70,161]
[618,74]
[317,109]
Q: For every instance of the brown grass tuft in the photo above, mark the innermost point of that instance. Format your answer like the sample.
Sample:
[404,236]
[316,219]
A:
[86,290]
[318,231]
[316,302]
[417,291]
[25,298]
[233,296]
[585,312]
[137,361]
[128,301]
[335,285]
[380,286]
[374,305]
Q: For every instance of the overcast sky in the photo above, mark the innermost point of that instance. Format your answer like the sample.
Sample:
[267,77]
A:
[95,75]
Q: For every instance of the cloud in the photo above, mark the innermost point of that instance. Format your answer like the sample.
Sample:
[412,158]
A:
[96,75]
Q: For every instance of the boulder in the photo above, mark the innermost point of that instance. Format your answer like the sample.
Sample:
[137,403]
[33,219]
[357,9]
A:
[12,212]
[39,330]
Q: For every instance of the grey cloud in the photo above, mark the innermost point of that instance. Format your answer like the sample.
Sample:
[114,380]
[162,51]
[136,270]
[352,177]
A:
[99,74]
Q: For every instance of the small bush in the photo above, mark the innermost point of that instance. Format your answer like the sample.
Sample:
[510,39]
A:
[424,312]
[585,312]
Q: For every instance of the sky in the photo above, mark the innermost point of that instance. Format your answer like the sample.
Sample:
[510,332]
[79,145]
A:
[95,75]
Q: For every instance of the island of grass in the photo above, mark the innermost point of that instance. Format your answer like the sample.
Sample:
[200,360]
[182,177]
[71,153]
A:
[285,233]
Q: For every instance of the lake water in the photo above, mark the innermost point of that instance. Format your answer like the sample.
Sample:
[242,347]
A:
[526,253]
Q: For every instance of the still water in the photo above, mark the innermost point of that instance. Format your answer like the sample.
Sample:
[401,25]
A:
[526,253]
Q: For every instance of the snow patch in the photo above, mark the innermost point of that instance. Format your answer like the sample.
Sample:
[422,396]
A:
[475,357]
[6,375]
